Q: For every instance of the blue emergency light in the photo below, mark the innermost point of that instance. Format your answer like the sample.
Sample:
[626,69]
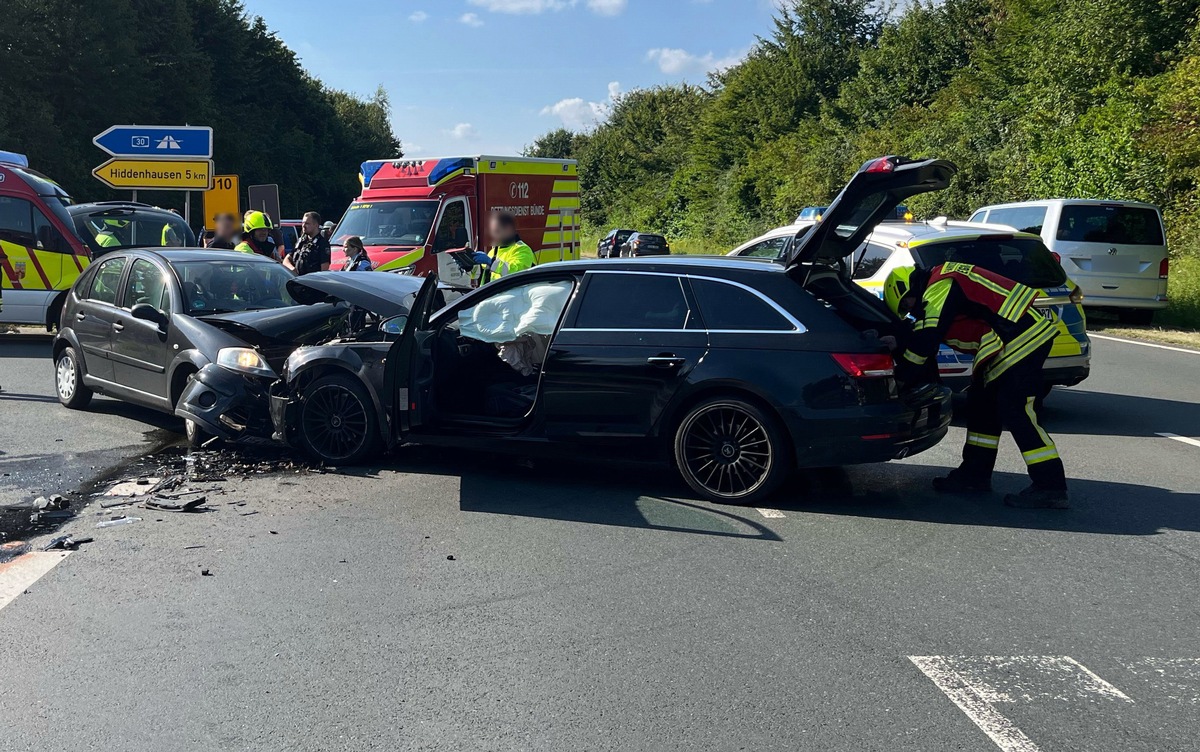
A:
[11,157]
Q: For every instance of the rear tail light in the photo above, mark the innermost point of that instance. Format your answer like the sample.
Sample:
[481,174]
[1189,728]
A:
[883,164]
[1057,256]
[1076,295]
[865,365]
[1163,267]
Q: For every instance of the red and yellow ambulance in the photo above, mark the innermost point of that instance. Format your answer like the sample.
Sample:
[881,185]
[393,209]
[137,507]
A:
[411,210]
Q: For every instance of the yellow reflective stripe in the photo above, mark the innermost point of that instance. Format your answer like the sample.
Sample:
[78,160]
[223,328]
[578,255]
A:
[935,297]
[564,202]
[566,186]
[986,282]
[1027,342]
[1032,414]
[1035,456]
[989,345]
[987,441]
[400,262]
[926,324]
[912,357]
[1017,302]
[958,344]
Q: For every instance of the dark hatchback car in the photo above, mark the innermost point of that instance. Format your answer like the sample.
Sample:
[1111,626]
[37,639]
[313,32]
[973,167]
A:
[737,371]
[644,244]
[196,333]
[609,246]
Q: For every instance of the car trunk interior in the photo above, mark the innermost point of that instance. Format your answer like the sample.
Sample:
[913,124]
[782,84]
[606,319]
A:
[851,303]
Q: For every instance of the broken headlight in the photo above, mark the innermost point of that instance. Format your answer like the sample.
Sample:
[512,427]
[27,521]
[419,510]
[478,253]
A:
[244,360]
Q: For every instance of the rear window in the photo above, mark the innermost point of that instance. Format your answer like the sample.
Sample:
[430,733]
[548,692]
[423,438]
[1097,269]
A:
[1118,225]
[726,307]
[651,238]
[1024,260]
[1023,218]
[109,229]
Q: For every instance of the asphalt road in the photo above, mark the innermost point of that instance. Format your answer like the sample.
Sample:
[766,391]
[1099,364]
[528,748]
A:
[597,607]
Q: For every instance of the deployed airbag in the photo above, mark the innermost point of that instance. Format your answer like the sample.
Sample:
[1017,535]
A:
[526,310]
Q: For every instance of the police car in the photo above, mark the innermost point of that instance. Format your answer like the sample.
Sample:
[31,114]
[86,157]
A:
[1020,256]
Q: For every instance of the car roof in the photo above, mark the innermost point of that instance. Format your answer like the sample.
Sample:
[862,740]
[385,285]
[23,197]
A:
[197,254]
[675,264]
[940,230]
[102,206]
[1076,201]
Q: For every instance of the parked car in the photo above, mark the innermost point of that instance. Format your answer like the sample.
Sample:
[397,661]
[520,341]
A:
[107,226]
[644,244]
[199,334]
[609,246]
[1019,256]
[1116,251]
[811,214]
[736,371]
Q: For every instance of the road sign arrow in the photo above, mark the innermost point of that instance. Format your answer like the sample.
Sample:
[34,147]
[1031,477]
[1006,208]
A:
[157,141]
[156,174]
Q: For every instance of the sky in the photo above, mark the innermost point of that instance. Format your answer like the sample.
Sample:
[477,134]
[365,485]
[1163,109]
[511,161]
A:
[490,76]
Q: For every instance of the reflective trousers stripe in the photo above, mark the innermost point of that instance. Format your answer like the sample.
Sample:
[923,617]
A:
[983,440]
[912,357]
[1035,456]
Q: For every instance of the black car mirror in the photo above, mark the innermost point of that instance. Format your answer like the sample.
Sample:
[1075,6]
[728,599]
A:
[147,312]
[394,325]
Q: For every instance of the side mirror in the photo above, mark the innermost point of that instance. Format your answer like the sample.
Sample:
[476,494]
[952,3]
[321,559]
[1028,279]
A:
[394,325]
[147,312]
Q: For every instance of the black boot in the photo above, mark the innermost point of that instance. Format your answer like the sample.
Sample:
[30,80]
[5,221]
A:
[963,481]
[1039,497]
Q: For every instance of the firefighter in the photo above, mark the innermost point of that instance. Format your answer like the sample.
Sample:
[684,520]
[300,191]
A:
[992,317]
[256,237]
[107,236]
[509,253]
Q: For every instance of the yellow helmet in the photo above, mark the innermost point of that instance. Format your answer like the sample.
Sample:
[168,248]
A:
[896,286]
[256,220]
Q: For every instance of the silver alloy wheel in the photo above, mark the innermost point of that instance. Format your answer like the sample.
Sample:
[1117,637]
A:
[727,451]
[64,377]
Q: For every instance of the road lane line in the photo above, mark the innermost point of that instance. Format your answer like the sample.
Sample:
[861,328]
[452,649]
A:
[1182,439]
[17,575]
[771,514]
[1099,686]
[1093,335]
[968,699]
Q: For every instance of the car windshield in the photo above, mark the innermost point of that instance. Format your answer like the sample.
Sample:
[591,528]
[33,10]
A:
[221,286]
[1129,225]
[387,222]
[1024,260]
[106,230]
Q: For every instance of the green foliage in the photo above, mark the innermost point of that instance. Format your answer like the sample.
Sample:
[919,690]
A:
[70,69]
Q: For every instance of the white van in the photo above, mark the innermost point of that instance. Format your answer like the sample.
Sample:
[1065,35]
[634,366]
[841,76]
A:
[1116,251]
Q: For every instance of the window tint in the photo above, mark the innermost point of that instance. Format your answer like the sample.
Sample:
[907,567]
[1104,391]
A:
[772,248]
[145,285]
[633,301]
[870,259]
[47,236]
[107,282]
[728,307]
[1110,224]
[1023,218]
[16,221]
[1023,260]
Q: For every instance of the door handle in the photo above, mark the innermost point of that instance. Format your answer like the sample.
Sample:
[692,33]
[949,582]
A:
[80,315]
[666,360]
[118,327]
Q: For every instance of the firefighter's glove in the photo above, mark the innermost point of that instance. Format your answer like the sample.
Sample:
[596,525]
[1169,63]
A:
[482,258]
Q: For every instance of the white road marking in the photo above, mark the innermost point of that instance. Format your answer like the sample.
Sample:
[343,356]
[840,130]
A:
[1182,439]
[771,513]
[976,684]
[17,575]
[998,728]
[1093,335]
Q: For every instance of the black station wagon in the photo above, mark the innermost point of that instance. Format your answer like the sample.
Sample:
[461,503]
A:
[737,371]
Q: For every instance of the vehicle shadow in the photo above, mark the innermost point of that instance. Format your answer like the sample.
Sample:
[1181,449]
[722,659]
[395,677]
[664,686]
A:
[903,492]
[7,396]
[624,495]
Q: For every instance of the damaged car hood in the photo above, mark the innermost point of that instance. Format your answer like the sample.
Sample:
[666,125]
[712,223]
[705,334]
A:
[299,325]
[385,295]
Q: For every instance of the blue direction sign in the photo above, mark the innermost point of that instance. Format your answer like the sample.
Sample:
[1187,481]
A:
[157,141]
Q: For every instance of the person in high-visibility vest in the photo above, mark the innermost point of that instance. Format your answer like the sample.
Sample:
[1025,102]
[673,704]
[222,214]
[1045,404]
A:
[107,236]
[977,311]
[256,237]
[509,253]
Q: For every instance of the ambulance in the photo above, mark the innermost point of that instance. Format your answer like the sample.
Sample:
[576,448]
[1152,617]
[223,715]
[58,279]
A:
[40,254]
[412,211]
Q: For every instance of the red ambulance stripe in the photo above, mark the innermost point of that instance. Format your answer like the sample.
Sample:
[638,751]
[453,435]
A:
[78,266]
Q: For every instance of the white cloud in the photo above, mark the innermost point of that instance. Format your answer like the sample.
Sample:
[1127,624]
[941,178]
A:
[418,16]
[463,132]
[471,19]
[578,114]
[533,7]
[677,62]
[607,7]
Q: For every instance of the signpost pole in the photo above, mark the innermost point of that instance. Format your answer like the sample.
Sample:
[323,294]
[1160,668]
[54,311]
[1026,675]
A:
[135,197]
[187,208]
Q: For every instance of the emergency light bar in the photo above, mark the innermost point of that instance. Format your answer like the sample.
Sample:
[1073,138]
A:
[11,157]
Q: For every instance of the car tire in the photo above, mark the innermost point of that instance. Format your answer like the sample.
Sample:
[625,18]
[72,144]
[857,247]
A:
[337,423]
[197,437]
[731,451]
[1136,316]
[68,380]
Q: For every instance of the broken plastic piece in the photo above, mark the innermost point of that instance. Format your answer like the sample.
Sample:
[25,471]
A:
[119,521]
[167,504]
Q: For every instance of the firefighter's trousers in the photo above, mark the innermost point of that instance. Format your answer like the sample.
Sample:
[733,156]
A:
[1007,402]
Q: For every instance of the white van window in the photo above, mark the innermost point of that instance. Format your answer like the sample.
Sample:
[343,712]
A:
[1130,225]
[1023,218]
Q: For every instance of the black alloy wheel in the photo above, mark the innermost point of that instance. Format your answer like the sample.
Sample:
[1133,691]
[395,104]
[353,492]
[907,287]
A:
[731,451]
[337,420]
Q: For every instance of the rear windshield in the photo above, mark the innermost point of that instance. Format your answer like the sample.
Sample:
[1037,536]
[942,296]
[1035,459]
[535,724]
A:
[1129,225]
[650,238]
[117,228]
[1024,260]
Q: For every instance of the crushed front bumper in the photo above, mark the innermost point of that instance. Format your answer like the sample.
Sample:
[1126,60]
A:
[227,404]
